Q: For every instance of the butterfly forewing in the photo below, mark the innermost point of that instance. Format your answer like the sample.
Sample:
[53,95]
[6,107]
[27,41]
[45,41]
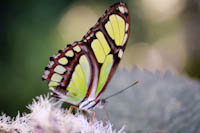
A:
[82,70]
[108,40]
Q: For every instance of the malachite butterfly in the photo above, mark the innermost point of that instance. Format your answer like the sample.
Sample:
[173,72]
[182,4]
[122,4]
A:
[79,73]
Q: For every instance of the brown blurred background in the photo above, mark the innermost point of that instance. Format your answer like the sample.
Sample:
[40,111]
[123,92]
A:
[165,35]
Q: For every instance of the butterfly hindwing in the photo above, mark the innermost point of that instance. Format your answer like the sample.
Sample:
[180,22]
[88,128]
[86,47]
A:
[69,73]
[82,70]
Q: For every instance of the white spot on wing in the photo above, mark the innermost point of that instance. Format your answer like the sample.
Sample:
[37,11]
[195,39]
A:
[56,56]
[121,9]
[46,72]
[127,25]
[120,54]
[51,63]
[125,38]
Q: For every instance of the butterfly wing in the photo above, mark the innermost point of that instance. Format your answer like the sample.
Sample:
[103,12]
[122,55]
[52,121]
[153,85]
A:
[82,70]
[108,40]
[68,73]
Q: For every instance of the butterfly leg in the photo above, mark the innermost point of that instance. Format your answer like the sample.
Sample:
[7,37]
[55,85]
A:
[71,108]
[93,117]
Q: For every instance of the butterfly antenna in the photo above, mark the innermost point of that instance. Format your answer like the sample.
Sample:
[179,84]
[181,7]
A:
[117,93]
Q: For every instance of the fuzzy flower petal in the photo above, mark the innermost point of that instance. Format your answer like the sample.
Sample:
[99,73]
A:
[47,116]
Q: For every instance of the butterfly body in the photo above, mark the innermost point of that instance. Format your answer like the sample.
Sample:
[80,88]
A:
[79,73]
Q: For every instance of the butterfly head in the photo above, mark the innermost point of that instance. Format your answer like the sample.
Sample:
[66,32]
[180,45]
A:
[101,103]
[92,104]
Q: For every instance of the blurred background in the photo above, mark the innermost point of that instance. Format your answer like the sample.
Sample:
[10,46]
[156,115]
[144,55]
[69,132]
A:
[165,36]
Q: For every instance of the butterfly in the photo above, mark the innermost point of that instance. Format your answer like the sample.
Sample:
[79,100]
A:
[79,73]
